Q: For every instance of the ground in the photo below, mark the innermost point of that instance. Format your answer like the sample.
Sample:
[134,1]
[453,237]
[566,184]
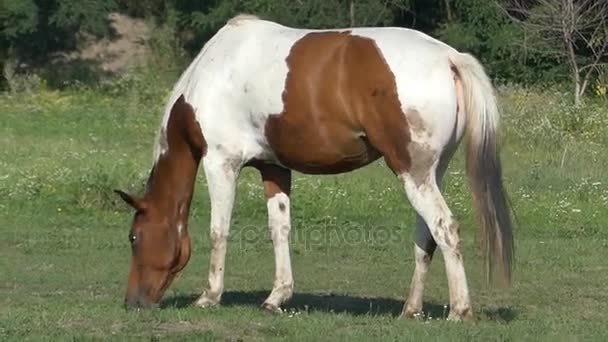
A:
[64,250]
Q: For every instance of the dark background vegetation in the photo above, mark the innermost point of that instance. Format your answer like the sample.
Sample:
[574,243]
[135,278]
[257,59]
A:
[31,31]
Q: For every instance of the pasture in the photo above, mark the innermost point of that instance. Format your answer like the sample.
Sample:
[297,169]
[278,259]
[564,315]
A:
[64,251]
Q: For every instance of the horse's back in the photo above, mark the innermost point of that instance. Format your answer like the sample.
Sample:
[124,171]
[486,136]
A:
[318,101]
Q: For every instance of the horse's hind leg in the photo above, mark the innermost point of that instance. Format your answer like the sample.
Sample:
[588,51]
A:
[277,186]
[424,195]
[424,248]
[221,176]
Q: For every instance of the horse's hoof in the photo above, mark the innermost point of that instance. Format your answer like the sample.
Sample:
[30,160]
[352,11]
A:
[206,302]
[411,311]
[271,308]
[460,315]
[411,314]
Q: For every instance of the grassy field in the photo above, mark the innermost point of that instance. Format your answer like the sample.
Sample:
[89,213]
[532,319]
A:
[64,251]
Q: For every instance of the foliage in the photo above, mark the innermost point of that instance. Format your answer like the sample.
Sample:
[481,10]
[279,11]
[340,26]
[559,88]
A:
[144,85]
[30,30]
[34,28]
[84,15]
[205,20]
[574,32]
[18,17]
[21,83]
[547,118]
[144,8]
[312,14]
[482,28]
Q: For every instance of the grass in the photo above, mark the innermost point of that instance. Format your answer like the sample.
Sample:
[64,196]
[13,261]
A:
[64,251]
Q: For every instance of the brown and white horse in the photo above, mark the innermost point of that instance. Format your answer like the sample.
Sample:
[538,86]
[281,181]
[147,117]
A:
[320,102]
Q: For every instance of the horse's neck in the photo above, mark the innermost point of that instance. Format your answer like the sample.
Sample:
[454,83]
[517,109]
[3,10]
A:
[172,179]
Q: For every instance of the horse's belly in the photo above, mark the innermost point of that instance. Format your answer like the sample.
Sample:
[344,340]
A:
[310,150]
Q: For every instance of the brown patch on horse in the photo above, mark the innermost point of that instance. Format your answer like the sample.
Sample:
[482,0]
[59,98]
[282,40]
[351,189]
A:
[276,179]
[161,247]
[341,108]
[424,157]
[416,123]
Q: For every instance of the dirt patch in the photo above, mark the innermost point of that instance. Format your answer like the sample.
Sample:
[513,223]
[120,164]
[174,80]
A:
[126,46]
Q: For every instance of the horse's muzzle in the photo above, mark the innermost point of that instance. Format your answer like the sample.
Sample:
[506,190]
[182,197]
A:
[139,301]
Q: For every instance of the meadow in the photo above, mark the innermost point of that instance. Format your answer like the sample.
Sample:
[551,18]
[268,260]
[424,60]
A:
[64,250]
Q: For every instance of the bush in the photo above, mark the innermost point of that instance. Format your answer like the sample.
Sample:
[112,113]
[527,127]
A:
[546,117]
[152,82]
[21,83]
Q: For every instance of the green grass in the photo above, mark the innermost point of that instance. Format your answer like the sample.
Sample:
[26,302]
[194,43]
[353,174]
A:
[64,251]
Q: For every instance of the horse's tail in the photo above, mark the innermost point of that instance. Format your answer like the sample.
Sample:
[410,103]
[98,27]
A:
[484,168]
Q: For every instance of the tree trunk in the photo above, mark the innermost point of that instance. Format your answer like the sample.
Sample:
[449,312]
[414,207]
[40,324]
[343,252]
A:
[576,77]
[567,28]
[352,13]
[448,10]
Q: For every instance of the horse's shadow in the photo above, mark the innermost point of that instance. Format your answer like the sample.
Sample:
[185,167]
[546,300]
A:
[356,306]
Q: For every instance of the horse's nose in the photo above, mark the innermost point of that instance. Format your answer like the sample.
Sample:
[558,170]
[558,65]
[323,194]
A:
[131,302]
[137,302]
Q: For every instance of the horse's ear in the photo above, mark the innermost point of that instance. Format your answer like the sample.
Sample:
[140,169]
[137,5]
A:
[183,112]
[180,105]
[136,203]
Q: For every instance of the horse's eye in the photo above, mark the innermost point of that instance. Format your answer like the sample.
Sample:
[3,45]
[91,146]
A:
[132,238]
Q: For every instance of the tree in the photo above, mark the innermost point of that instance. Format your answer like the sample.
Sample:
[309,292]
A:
[206,19]
[575,31]
[482,28]
[31,30]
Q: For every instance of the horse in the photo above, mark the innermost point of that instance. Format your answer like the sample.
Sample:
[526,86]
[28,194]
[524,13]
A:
[281,99]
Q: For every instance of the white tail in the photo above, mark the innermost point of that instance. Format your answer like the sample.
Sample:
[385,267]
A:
[483,166]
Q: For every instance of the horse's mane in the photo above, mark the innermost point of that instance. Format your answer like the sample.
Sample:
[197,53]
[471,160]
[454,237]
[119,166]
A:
[236,20]
[180,88]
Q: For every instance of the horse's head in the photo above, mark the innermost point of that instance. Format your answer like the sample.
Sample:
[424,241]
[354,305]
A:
[160,248]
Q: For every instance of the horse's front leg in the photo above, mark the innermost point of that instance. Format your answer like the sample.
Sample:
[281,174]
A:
[277,186]
[222,174]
